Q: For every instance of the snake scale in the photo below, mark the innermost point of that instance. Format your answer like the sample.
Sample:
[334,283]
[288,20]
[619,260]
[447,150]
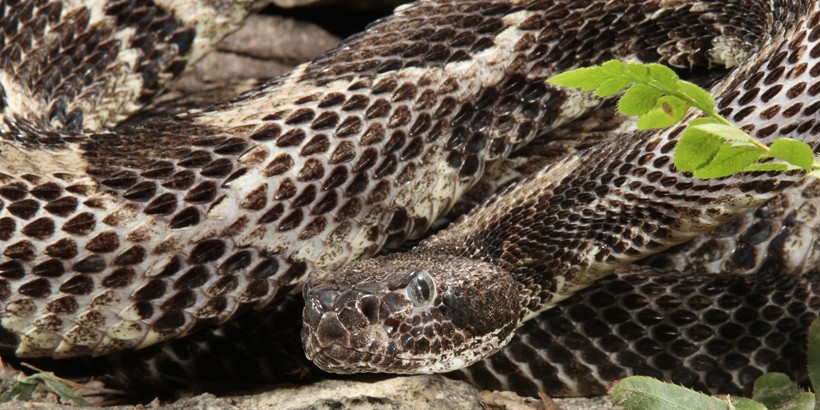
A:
[119,237]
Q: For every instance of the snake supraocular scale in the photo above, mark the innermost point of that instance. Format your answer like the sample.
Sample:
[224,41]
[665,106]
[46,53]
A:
[116,238]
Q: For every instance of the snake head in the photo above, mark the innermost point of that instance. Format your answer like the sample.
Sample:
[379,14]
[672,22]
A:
[409,314]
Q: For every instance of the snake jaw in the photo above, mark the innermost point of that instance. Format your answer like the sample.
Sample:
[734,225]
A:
[414,315]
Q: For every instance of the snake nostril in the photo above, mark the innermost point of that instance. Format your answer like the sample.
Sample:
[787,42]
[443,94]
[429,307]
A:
[370,308]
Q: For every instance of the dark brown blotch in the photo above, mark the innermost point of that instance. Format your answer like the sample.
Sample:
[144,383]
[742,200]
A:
[154,289]
[40,228]
[78,285]
[257,199]
[326,120]
[203,193]
[180,180]
[120,278]
[291,221]
[51,268]
[132,256]
[349,127]
[14,192]
[170,321]
[65,305]
[24,209]
[47,192]
[23,250]
[90,264]
[194,278]
[219,168]
[312,170]
[196,159]
[105,242]
[63,206]
[179,301]
[235,263]
[207,251]
[38,288]
[81,224]
[281,164]
[7,228]
[162,205]
[12,270]
[300,116]
[317,145]
[233,146]
[141,192]
[158,170]
[269,133]
[286,190]
[120,180]
[185,218]
[292,138]
[223,286]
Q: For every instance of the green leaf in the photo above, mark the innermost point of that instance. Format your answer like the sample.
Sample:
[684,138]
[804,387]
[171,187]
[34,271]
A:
[728,133]
[22,390]
[669,111]
[771,166]
[814,342]
[614,67]
[795,152]
[695,149]
[56,385]
[729,160]
[613,86]
[777,392]
[665,76]
[639,70]
[742,403]
[646,393]
[701,97]
[587,79]
[639,99]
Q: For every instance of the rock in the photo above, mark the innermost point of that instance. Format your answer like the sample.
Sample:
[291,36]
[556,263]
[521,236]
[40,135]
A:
[416,392]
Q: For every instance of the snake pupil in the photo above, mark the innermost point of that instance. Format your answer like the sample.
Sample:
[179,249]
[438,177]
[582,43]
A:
[419,289]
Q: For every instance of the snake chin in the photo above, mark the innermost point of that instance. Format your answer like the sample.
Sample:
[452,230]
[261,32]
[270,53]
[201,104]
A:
[420,314]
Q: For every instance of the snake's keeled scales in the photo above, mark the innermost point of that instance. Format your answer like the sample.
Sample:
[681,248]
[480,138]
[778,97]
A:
[119,237]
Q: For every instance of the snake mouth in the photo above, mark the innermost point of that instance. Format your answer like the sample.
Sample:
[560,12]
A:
[348,360]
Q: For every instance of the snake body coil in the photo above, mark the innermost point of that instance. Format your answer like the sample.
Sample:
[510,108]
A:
[459,296]
[115,237]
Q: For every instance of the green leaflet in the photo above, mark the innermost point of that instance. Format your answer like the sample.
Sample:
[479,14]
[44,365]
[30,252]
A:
[696,149]
[639,99]
[702,99]
[777,392]
[646,393]
[814,351]
[795,152]
[729,160]
[668,111]
[587,79]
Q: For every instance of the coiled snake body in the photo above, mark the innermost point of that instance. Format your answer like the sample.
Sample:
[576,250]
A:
[120,237]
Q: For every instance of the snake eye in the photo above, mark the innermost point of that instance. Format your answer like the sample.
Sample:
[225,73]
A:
[421,288]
